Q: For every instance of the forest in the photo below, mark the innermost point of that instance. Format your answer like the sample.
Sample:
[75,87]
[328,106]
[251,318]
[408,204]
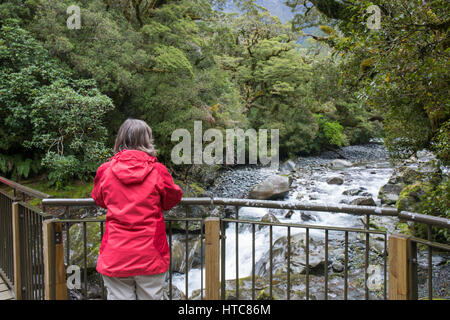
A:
[323,78]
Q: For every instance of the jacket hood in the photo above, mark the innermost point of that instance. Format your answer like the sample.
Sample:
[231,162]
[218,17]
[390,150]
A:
[132,166]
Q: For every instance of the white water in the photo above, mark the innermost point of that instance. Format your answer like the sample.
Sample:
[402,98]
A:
[310,187]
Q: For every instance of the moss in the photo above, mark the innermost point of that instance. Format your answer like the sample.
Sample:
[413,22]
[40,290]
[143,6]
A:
[403,227]
[263,295]
[411,196]
[78,189]
[190,189]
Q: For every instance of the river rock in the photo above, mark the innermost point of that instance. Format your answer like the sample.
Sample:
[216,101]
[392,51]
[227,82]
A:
[178,254]
[288,166]
[354,192]
[389,193]
[363,201]
[335,180]
[306,216]
[298,256]
[269,217]
[340,164]
[93,242]
[274,187]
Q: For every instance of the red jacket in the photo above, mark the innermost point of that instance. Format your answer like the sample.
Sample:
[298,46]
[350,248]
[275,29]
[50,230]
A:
[135,189]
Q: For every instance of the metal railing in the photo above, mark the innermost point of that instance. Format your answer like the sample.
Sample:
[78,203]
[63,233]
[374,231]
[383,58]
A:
[288,275]
[36,248]
[21,252]
[6,238]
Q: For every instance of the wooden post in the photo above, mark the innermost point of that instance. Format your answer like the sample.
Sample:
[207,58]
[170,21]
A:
[16,251]
[212,254]
[401,272]
[54,269]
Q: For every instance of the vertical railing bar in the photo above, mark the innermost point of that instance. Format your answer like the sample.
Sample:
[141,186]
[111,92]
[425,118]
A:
[430,265]
[68,243]
[40,262]
[202,236]
[366,259]
[52,258]
[346,266]
[307,263]
[170,261]
[222,259]
[25,249]
[237,251]
[85,259]
[186,265]
[28,254]
[102,284]
[326,264]
[253,261]
[289,264]
[271,261]
[33,255]
[385,267]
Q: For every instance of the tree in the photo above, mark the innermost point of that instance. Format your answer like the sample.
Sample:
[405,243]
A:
[46,113]
[404,65]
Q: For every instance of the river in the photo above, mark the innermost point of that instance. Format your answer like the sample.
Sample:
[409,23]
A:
[370,169]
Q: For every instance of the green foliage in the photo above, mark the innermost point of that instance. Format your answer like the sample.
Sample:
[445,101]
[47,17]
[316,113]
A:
[45,112]
[17,167]
[331,132]
[404,64]
[436,202]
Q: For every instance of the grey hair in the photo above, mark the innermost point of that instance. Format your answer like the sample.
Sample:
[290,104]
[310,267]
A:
[135,135]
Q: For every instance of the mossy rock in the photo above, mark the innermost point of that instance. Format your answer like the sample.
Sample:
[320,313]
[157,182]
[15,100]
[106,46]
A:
[93,237]
[410,198]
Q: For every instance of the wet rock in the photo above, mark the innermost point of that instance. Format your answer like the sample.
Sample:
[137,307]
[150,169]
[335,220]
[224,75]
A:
[289,214]
[288,166]
[269,217]
[335,180]
[340,164]
[363,201]
[337,266]
[298,256]
[354,192]
[274,187]
[307,216]
[178,254]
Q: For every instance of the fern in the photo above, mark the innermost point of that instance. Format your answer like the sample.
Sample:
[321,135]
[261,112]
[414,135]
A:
[16,167]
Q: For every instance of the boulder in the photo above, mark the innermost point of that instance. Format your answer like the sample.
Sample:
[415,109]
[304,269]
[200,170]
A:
[340,164]
[298,256]
[353,192]
[269,217]
[335,180]
[307,216]
[389,193]
[288,166]
[363,201]
[274,187]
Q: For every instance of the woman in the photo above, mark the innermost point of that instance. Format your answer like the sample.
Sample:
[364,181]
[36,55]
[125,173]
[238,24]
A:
[135,188]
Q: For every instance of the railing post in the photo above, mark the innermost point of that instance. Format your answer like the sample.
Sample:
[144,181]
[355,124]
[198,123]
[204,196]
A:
[16,251]
[54,269]
[212,254]
[402,270]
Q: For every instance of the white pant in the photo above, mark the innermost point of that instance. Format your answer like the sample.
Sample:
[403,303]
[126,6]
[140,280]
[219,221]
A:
[148,287]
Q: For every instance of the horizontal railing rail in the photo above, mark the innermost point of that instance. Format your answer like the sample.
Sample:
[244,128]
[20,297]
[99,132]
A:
[291,205]
[38,241]
[23,189]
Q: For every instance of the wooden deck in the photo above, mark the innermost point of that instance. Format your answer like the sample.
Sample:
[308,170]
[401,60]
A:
[5,293]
